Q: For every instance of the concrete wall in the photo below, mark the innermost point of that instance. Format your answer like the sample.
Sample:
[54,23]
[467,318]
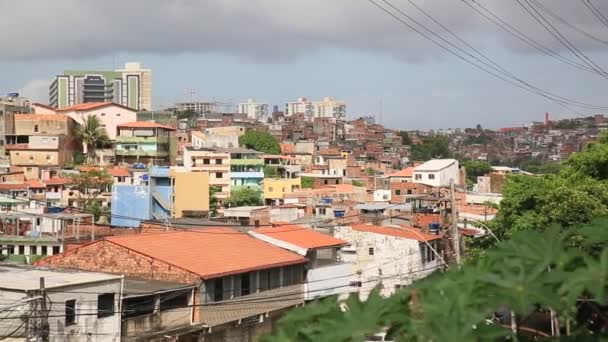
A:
[328,280]
[50,127]
[191,192]
[382,195]
[110,117]
[441,177]
[395,261]
[130,201]
[276,188]
[95,329]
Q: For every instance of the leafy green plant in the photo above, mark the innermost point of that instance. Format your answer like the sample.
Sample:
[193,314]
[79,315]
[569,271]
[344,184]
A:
[260,141]
[243,197]
[358,183]
[531,273]
[307,182]
[271,171]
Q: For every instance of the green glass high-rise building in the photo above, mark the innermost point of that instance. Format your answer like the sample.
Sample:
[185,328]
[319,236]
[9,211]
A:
[130,87]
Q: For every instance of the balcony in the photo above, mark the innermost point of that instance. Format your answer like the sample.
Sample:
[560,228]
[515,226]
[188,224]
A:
[246,175]
[328,280]
[246,162]
[140,153]
[149,140]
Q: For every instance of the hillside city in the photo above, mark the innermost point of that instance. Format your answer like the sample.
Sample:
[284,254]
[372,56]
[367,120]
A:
[208,221]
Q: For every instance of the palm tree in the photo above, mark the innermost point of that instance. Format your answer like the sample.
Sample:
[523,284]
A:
[92,135]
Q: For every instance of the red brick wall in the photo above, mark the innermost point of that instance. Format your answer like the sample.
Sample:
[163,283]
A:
[105,256]
[403,190]
[423,220]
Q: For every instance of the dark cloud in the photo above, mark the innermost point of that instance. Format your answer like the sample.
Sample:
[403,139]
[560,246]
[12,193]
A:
[259,30]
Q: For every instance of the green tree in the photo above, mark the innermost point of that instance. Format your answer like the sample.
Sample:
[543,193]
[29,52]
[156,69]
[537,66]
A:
[89,186]
[592,162]
[260,141]
[436,146]
[92,134]
[271,171]
[358,183]
[476,168]
[307,182]
[213,203]
[243,197]
[405,137]
[528,274]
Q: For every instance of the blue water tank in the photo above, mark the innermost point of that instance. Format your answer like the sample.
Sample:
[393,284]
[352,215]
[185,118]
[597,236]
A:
[434,227]
[326,200]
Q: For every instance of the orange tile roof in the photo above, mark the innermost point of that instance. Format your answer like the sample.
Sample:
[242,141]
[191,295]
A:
[8,186]
[328,152]
[118,172]
[300,236]
[86,106]
[407,172]
[41,117]
[145,124]
[403,232]
[88,168]
[210,253]
[57,181]
[35,183]
[43,106]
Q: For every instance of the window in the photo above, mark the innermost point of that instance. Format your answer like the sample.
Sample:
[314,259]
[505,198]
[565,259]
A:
[21,250]
[325,181]
[356,283]
[218,161]
[409,192]
[431,176]
[117,114]
[70,312]
[245,284]
[35,128]
[270,189]
[371,251]
[218,290]
[397,192]
[218,175]
[44,250]
[283,189]
[171,301]
[206,161]
[48,157]
[103,114]
[56,250]
[105,305]
[398,286]
[31,157]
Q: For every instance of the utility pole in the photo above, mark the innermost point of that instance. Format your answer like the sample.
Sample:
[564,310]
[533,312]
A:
[44,321]
[455,235]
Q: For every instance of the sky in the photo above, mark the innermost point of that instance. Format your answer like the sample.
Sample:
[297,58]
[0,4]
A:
[276,51]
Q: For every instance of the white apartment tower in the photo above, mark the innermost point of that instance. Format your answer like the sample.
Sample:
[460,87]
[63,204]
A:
[328,108]
[254,110]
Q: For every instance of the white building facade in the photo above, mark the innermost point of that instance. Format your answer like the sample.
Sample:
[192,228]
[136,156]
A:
[254,110]
[392,257]
[437,173]
[327,108]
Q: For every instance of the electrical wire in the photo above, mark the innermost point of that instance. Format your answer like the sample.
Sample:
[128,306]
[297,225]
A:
[565,22]
[504,25]
[596,12]
[497,73]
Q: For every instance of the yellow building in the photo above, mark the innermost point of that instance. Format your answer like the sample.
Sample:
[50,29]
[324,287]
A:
[276,188]
[190,193]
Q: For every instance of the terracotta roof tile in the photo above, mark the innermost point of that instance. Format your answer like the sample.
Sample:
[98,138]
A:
[35,183]
[210,253]
[328,152]
[57,181]
[86,106]
[118,172]
[403,232]
[300,236]
[145,124]
[407,172]
[8,186]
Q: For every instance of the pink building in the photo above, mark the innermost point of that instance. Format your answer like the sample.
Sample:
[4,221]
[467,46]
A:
[109,114]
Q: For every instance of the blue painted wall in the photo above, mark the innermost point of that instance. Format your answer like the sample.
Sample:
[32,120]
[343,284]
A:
[131,201]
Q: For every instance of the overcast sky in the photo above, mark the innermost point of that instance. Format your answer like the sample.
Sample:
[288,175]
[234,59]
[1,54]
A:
[277,50]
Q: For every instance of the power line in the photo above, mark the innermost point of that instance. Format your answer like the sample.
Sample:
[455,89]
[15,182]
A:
[495,19]
[542,21]
[497,73]
[596,12]
[565,22]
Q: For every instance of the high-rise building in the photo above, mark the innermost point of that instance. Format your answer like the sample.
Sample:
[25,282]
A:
[130,87]
[328,108]
[254,110]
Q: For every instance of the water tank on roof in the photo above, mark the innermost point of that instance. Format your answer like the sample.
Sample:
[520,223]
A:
[434,227]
